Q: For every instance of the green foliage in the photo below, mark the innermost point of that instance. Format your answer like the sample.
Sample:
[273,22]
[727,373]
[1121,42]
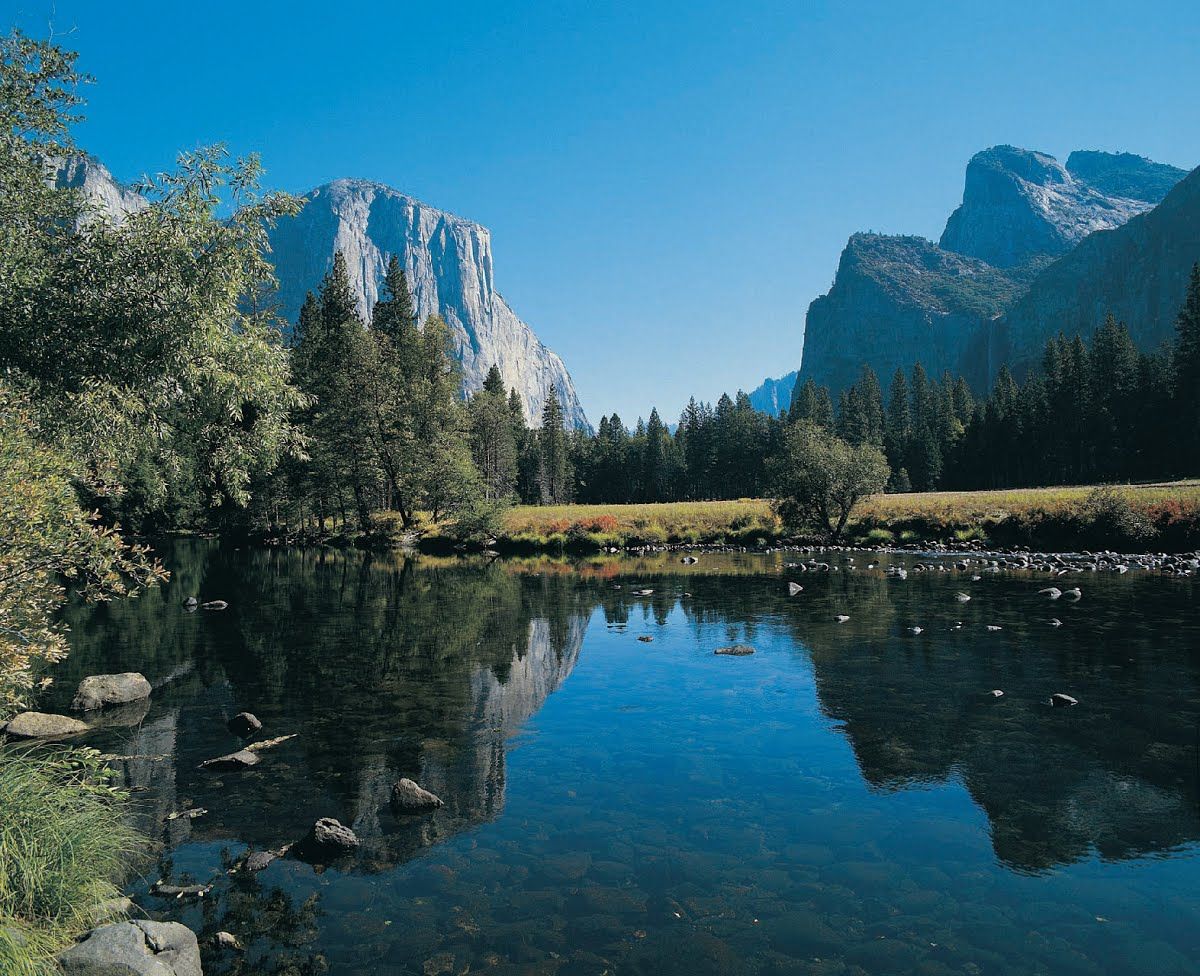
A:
[48,543]
[65,847]
[818,478]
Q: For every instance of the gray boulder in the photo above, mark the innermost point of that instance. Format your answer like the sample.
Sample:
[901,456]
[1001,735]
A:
[328,839]
[244,725]
[99,690]
[135,949]
[40,725]
[408,797]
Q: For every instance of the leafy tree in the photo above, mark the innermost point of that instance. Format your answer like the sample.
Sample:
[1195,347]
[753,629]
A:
[818,478]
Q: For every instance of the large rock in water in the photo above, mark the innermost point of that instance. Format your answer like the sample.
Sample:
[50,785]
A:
[135,949]
[39,725]
[448,261]
[99,690]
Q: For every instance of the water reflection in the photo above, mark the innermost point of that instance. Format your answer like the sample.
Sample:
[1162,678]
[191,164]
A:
[677,813]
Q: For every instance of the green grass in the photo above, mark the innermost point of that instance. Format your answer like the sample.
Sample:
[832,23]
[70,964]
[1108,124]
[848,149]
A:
[65,846]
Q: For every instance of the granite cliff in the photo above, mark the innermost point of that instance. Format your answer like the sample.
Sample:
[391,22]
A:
[1011,245]
[448,260]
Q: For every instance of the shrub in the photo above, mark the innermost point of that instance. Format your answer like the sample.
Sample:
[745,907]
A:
[65,846]
[480,520]
[880,536]
[1109,514]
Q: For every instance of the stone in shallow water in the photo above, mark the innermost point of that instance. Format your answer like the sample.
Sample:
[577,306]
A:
[99,690]
[244,725]
[327,838]
[135,949]
[408,797]
[40,725]
[235,760]
[735,650]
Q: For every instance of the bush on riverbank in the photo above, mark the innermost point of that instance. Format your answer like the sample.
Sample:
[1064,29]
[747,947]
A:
[65,847]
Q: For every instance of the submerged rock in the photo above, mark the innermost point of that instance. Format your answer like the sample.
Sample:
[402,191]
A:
[244,725]
[214,605]
[408,797]
[40,725]
[227,941]
[794,589]
[135,949]
[99,690]
[735,650]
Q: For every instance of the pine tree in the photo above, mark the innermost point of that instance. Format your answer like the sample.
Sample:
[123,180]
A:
[1187,374]
[395,313]
[554,467]
[493,444]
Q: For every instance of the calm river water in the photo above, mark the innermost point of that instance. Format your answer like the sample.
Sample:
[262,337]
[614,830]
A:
[851,799]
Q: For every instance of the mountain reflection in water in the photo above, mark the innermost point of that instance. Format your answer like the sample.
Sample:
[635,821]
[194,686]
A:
[669,788]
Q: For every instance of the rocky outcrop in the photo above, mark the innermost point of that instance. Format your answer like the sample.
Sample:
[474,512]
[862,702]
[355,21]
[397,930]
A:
[1124,174]
[1019,204]
[899,300]
[1139,272]
[448,261]
[772,395]
[96,185]
[135,949]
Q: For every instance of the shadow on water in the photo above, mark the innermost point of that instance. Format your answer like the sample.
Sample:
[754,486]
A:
[671,814]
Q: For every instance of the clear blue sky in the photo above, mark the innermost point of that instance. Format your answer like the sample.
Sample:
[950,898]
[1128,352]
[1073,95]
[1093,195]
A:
[668,184]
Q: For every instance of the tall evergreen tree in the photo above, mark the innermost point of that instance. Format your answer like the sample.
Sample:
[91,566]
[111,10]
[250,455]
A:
[554,465]
[1187,373]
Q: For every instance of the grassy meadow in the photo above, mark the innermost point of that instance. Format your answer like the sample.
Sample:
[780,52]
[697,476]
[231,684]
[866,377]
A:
[1155,516]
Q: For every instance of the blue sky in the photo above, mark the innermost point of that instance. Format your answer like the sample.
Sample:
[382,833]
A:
[668,184]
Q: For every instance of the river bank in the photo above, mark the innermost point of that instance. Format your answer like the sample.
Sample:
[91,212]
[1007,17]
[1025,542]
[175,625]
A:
[1159,517]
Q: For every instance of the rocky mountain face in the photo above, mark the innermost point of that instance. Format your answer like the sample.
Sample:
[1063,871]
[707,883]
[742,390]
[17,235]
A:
[448,260]
[774,395]
[1019,204]
[88,175]
[1139,272]
[896,300]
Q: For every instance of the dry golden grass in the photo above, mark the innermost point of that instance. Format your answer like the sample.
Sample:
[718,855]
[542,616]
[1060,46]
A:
[928,515]
[663,522]
[970,506]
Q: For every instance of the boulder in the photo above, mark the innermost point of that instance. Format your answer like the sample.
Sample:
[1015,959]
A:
[794,589]
[135,949]
[99,690]
[1059,700]
[40,725]
[408,797]
[244,725]
[736,650]
[242,759]
[328,838]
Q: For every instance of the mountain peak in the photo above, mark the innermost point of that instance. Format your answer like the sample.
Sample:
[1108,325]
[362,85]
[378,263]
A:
[1124,174]
[1020,203]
